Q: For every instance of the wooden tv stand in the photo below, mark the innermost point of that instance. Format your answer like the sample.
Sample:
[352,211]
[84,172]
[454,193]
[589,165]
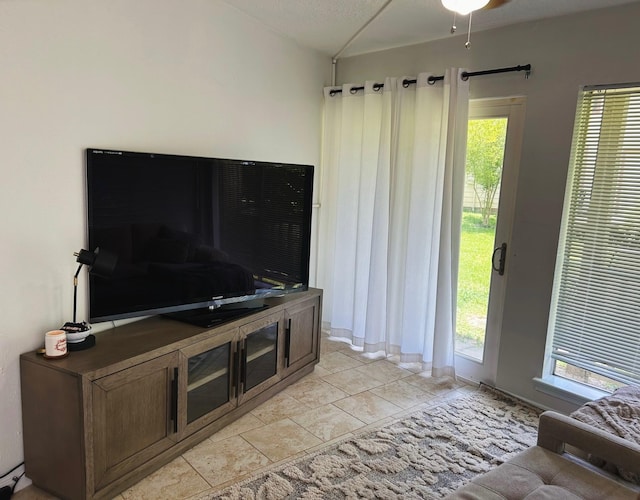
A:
[100,420]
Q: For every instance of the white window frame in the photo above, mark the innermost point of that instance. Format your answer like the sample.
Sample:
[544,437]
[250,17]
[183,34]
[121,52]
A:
[598,171]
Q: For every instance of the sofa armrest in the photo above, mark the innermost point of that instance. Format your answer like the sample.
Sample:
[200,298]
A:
[555,430]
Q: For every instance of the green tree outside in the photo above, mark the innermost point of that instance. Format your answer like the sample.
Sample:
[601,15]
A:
[485,155]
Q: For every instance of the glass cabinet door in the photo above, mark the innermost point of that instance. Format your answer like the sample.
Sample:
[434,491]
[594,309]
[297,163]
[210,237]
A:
[260,342]
[208,377]
[208,381]
[261,362]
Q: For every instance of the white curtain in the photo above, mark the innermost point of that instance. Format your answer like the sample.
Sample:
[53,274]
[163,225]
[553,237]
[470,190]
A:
[391,204]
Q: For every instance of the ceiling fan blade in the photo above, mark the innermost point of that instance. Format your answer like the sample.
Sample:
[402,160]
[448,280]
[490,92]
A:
[494,4]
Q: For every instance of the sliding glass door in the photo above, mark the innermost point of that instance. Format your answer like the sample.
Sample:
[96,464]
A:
[493,154]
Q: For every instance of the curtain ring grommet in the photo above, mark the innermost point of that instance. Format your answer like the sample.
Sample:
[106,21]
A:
[431,80]
[464,76]
[353,90]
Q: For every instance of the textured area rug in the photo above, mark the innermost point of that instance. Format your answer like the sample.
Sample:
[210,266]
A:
[424,455]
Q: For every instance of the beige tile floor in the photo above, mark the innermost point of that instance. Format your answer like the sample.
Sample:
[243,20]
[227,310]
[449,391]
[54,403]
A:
[347,392]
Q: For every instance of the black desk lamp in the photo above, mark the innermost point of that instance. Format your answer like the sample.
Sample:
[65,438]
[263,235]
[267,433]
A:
[101,263]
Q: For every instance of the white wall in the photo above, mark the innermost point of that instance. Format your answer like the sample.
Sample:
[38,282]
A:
[194,77]
[590,48]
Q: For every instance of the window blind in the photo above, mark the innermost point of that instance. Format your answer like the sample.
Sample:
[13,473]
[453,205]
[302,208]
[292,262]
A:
[595,313]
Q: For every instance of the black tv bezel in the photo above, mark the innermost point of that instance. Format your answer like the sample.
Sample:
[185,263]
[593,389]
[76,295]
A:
[215,302]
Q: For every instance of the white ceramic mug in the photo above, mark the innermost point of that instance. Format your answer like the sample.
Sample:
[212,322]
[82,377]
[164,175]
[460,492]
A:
[55,343]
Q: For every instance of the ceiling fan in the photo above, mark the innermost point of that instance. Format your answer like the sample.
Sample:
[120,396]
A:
[493,4]
[467,7]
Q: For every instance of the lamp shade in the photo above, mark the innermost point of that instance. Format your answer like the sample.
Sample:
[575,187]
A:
[101,262]
[464,7]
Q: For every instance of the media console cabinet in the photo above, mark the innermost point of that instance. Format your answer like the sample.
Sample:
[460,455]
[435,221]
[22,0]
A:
[100,420]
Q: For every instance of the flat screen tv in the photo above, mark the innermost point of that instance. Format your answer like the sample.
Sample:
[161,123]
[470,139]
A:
[193,235]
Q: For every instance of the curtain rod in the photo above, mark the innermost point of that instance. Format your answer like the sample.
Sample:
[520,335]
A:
[433,79]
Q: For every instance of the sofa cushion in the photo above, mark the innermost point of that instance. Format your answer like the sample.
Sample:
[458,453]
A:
[538,473]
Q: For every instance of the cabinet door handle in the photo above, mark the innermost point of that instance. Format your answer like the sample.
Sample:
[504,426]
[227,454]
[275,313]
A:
[243,366]
[236,370]
[174,400]
[287,342]
[233,371]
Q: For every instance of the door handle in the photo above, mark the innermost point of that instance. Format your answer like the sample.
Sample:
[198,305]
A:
[503,257]
[243,365]
[287,342]
[174,400]
[235,373]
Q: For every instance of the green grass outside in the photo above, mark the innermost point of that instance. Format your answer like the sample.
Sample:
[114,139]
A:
[474,276]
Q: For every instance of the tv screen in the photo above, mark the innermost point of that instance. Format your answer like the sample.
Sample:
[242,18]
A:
[193,232]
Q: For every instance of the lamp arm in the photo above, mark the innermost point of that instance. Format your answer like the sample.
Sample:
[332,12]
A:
[75,291]
[75,276]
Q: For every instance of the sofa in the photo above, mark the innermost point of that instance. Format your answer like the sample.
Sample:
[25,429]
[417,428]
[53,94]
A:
[550,471]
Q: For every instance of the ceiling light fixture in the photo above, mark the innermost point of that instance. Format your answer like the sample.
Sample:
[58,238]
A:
[464,7]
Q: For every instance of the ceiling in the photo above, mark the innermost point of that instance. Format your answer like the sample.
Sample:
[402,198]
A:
[328,25]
